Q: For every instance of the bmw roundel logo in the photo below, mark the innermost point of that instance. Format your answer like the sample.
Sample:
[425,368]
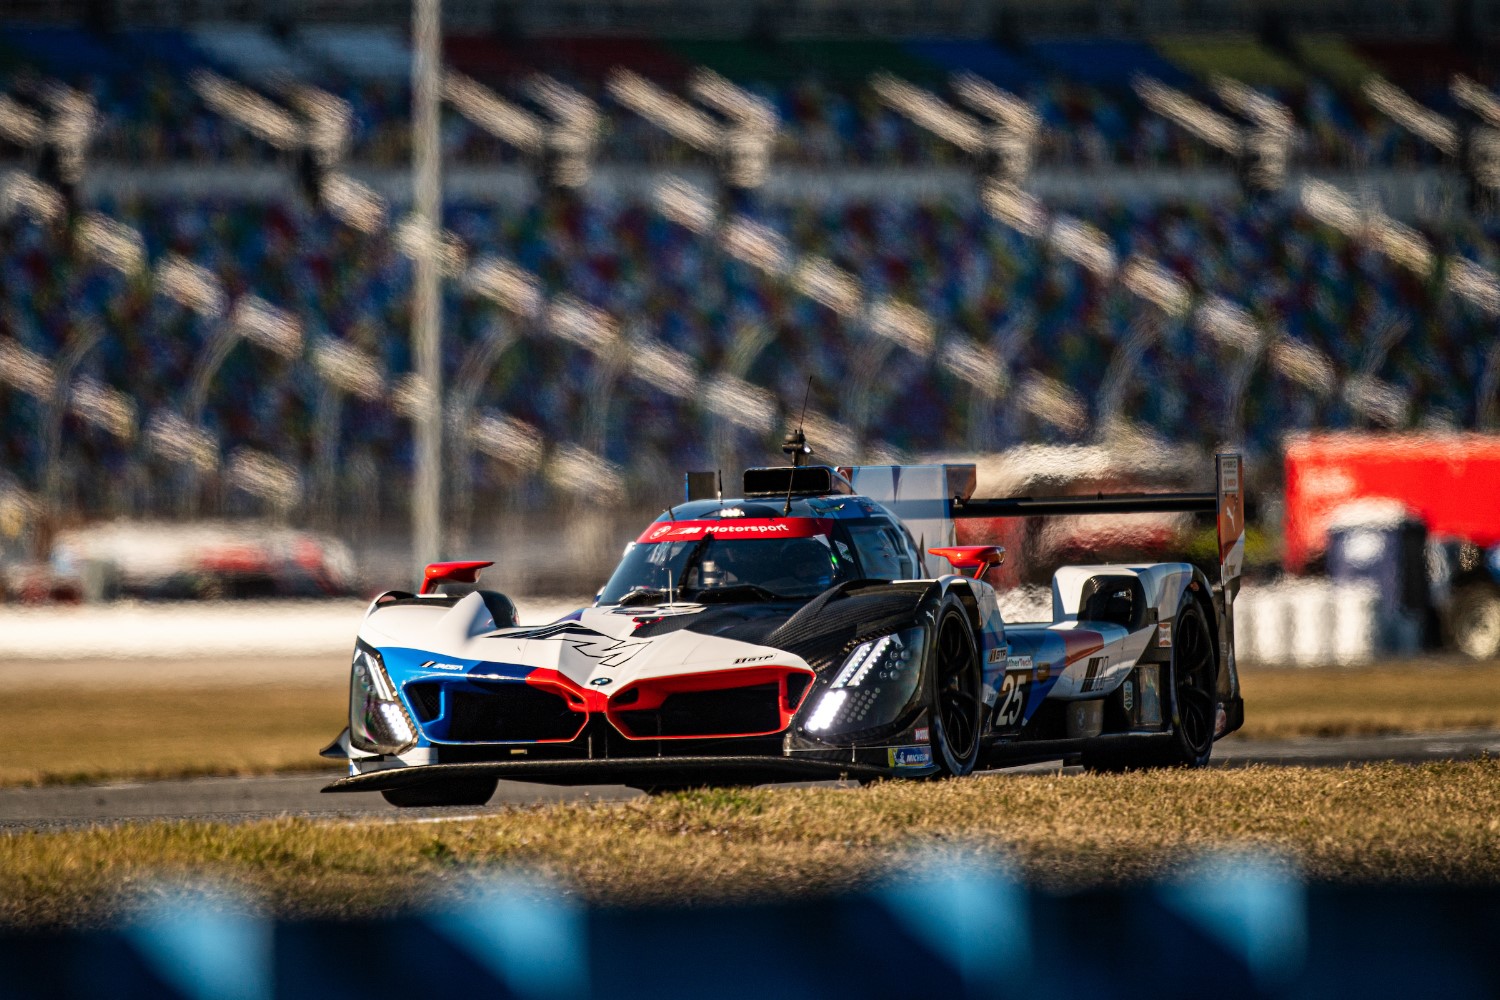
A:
[600,682]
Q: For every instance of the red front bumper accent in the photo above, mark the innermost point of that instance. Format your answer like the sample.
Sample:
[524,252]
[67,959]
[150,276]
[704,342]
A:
[755,701]
[579,699]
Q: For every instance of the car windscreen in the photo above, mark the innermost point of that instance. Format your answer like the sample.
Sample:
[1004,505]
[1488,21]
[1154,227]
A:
[883,550]
[749,560]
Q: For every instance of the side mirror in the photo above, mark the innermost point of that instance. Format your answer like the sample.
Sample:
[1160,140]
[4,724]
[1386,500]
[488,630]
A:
[976,557]
[465,571]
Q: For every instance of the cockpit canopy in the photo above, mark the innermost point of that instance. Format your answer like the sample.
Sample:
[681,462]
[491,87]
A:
[753,551]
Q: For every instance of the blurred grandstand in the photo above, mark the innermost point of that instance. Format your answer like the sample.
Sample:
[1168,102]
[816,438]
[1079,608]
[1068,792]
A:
[975,226]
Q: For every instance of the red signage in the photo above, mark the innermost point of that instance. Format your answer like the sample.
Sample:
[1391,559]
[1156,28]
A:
[1451,482]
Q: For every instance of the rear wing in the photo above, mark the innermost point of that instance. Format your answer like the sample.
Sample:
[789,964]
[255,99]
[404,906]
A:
[1226,502]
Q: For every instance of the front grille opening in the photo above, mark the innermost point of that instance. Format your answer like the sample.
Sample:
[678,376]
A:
[796,687]
[426,699]
[727,712]
[511,712]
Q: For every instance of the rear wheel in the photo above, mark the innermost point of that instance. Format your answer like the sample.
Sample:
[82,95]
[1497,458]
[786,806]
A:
[954,692]
[1194,670]
[447,792]
[1474,622]
[1191,675]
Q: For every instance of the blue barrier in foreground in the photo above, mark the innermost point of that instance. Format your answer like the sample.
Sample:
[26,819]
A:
[1232,928]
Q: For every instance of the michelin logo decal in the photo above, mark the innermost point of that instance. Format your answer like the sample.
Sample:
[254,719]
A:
[909,756]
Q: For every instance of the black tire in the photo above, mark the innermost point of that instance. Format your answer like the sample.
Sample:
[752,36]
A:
[1474,622]
[954,681]
[1195,672]
[448,792]
[1191,682]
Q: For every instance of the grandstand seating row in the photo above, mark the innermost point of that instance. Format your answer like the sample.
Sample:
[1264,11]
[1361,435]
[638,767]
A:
[1080,87]
[982,283]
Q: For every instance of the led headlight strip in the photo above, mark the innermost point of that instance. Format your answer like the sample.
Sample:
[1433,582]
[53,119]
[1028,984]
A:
[889,652]
[378,722]
[857,667]
[823,715]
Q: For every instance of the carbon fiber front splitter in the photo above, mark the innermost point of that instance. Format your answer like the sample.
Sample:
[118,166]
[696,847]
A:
[639,771]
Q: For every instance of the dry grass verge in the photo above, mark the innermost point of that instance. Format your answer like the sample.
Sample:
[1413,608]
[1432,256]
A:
[1385,823]
[114,732]
[1411,697]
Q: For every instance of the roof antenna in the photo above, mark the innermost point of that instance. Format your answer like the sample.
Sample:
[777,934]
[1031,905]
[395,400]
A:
[721,487]
[795,446]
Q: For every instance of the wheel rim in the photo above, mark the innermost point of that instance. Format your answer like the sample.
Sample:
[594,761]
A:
[1193,663]
[957,688]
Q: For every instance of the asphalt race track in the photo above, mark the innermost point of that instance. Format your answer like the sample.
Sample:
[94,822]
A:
[235,799]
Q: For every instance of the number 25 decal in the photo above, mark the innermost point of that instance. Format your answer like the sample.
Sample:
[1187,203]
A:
[1012,699]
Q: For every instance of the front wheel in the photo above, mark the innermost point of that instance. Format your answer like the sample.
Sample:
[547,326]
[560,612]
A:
[447,792]
[954,698]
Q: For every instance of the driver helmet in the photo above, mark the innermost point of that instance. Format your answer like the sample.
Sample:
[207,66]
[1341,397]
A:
[710,572]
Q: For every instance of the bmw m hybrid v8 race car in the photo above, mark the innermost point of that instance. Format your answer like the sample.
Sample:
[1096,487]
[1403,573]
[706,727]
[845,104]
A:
[802,632]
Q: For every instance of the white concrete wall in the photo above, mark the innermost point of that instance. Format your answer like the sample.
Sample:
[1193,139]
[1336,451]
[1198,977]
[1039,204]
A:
[1295,622]
[225,629]
[1316,622]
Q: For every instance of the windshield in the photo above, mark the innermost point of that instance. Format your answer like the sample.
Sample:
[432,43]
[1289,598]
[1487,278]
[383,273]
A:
[705,564]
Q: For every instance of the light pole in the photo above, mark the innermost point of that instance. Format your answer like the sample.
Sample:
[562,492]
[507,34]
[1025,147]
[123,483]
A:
[341,369]
[82,341]
[426,292]
[472,374]
[53,386]
[250,318]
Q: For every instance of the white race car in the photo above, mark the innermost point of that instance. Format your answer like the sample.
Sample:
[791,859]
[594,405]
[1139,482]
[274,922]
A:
[801,631]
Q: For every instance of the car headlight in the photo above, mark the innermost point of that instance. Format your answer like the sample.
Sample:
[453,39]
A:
[873,686]
[378,722]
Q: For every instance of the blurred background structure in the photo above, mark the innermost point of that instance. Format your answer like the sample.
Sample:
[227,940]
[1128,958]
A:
[1144,229]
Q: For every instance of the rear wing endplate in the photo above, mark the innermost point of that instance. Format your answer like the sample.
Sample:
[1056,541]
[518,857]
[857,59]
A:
[1230,503]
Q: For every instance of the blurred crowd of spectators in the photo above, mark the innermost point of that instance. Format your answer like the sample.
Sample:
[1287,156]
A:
[828,113]
[983,284]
